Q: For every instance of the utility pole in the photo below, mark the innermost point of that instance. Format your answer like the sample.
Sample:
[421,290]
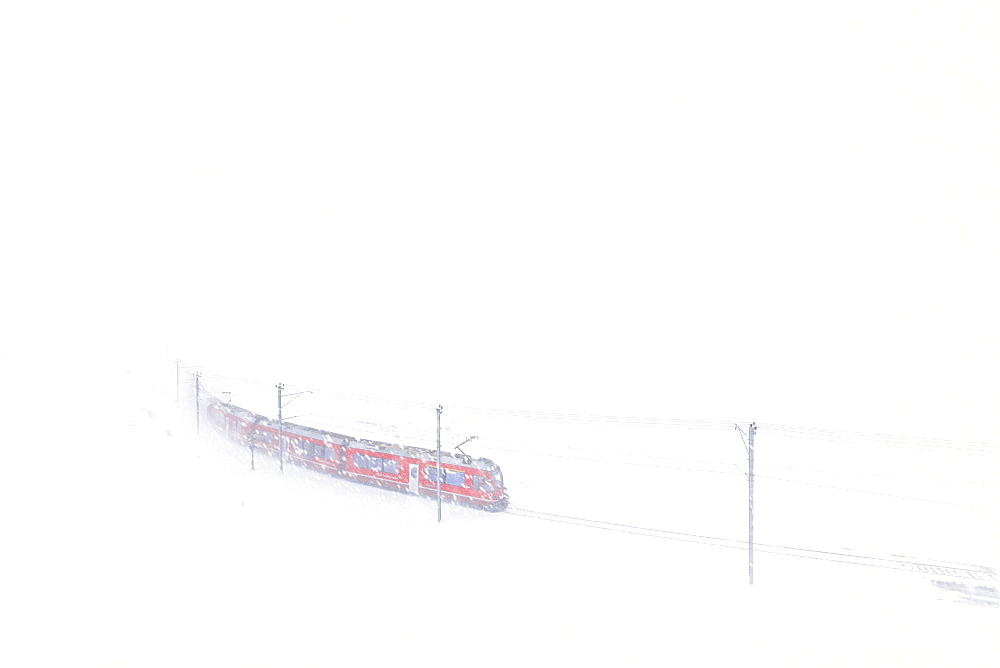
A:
[439,409]
[281,451]
[753,430]
[252,439]
[281,446]
[197,402]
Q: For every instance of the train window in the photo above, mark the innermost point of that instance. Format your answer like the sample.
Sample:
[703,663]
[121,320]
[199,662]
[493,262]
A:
[455,478]
[379,464]
[476,479]
[487,485]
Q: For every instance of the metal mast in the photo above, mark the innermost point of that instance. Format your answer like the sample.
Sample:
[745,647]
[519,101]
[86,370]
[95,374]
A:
[439,409]
[753,429]
[281,450]
[197,402]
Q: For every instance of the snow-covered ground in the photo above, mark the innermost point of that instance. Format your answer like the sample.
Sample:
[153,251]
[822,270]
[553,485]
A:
[133,542]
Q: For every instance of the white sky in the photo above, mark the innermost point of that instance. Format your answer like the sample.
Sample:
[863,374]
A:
[774,212]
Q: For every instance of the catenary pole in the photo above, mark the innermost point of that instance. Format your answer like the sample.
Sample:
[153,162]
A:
[281,451]
[439,409]
[178,361]
[197,402]
[753,429]
[281,427]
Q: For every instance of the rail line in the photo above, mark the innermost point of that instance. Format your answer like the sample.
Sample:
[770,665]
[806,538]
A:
[891,562]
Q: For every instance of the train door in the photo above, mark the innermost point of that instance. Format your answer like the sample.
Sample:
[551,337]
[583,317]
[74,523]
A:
[414,486]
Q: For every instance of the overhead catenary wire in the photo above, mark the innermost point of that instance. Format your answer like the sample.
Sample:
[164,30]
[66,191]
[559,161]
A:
[607,461]
[430,441]
[379,432]
[877,475]
[581,418]
[405,431]
[646,464]
[395,431]
[621,454]
[815,433]
[424,440]
[410,433]
[893,562]
[544,416]
[422,437]
[638,421]
[862,491]
[766,477]
[355,397]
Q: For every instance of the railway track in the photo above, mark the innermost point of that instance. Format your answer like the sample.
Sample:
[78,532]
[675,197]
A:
[892,562]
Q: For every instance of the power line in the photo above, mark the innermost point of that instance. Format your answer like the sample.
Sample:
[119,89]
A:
[912,441]
[585,419]
[975,448]
[893,562]
[862,491]
[361,398]
[422,437]
[615,452]
[696,461]
[566,418]
[878,475]
[607,461]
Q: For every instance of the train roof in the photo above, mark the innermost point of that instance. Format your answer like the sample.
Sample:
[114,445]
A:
[447,457]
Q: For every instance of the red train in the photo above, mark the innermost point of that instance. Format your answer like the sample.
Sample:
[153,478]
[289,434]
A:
[476,482]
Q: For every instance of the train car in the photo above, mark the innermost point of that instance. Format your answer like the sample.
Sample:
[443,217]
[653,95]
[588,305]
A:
[472,481]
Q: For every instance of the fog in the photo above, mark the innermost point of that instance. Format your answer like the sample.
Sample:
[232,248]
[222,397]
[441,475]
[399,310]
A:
[701,211]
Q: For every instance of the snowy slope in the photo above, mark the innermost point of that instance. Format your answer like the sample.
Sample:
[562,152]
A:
[148,546]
